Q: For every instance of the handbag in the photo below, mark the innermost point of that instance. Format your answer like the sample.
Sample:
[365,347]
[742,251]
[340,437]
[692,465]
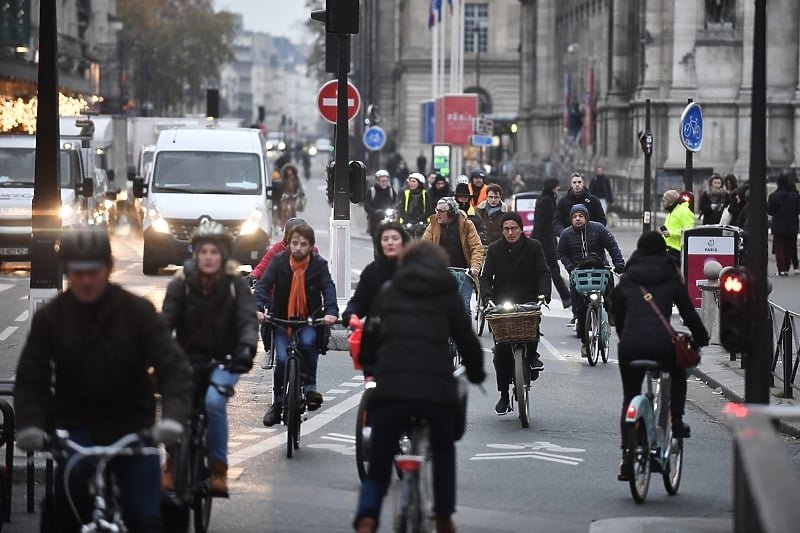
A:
[726,217]
[686,356]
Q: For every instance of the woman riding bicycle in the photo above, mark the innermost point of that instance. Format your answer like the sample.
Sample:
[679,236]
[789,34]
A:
[293,198]
[642,335]
[209,306]
[419,310]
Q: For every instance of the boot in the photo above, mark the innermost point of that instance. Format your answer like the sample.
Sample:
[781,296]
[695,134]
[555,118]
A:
[680,429]
[219,479]
[167,483]
[444,524]
[503,404]
[366,524]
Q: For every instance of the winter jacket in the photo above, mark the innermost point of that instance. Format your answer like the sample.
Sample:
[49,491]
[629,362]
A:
[438,194]
[543,228]
[679,218]
[493,224]
[378,199]
[592,203]
[408,214]
[470,241]
[100,356]
[642,335]
[369,285]
[711,205]
[601,187]
[477,196]
[274,250]
[783,205]
[597,240]
[419,310]
[515,272]
[320,290]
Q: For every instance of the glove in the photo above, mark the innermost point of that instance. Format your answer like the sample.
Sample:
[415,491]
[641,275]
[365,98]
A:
[31,439]
[241,362]
[619,269]
[167,431]
[476,375]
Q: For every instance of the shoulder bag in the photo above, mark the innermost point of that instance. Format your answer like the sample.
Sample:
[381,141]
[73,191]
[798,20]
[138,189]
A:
[686,356]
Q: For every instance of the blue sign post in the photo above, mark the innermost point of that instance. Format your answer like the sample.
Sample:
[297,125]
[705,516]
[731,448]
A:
[427,121]
[691,127]
[374,138]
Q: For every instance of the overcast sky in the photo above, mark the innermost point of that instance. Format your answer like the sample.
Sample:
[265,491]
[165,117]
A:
[276,17]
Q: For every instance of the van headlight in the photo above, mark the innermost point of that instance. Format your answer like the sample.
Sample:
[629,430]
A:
[252,224]
[157,221]
[66,211]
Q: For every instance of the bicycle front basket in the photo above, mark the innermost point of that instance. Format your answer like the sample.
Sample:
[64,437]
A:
[589,280]
[521,326]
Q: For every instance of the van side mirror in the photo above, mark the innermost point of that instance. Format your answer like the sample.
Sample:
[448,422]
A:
[139,188]
[87,187]
[131,172]
[269,192]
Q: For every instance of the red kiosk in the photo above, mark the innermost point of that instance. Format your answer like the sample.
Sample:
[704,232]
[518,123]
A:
[708,243]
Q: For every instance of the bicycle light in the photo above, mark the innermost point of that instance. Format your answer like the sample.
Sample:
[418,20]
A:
[508,306]
[630,414]
[594,297]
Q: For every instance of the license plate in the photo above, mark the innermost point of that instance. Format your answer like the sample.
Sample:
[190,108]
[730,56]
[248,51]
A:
[13,251]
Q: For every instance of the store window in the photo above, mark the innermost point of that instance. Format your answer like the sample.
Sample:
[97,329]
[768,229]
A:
[476,28]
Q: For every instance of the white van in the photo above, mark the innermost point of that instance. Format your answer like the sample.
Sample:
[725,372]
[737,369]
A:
[205,173]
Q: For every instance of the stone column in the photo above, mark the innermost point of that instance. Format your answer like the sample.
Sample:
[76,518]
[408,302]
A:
[685,26]
[527,75]
[742,166]
[547,89]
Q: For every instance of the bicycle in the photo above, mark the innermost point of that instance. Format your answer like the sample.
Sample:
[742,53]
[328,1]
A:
[294,401]
[518,326]
[479,317]
[650,444]
[592,283]
[364,429]
[190,469]
[106,513]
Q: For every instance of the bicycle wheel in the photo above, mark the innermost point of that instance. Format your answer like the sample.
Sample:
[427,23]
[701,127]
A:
[639,456]
[403,519]
[291,406]
[673,468]
[201,497]
[362,446]
[592,334]
[605,335]
[520,389]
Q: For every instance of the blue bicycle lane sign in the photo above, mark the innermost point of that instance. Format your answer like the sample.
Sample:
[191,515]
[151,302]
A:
[691,127]
[374,138]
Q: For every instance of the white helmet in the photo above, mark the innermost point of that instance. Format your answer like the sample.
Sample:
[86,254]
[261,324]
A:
[417,176]
[462,179]
[382,173]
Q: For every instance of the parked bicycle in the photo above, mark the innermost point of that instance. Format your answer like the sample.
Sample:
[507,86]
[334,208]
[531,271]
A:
[592,283]
[651,446]
[295,378]
[517,325]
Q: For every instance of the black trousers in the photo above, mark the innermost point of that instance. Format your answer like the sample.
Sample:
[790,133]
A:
[504,363]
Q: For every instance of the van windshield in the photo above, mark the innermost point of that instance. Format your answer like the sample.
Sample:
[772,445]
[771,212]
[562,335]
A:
[17,167]
[207,173]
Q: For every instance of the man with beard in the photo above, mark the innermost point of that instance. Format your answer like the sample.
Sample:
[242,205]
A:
[577,194]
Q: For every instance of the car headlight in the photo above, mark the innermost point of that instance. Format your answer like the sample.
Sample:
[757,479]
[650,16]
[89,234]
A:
[312,151]
[252,223]
[66,211]
[157,221]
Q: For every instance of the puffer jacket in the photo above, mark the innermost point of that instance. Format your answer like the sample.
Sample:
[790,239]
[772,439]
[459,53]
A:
[211,326]
[101,355]
[369,285]
[419,310]
[642,335]
[597,239]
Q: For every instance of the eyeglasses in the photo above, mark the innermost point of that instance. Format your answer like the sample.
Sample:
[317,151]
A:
[442,211]
[511,229]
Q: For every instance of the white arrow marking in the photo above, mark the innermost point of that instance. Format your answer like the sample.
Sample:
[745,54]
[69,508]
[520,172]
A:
[532,455]
[22,318]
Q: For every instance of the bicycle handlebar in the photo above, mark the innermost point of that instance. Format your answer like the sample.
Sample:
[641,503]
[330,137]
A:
[509,307]
[141,443]
[284,323]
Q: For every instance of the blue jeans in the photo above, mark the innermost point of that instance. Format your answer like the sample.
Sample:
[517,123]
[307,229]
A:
[138,479]
[218,415]
[388,423]
[307,344]
[465,290]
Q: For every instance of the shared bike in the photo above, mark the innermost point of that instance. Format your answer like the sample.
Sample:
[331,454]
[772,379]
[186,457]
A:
[518,326]
[592,283]
[651,445]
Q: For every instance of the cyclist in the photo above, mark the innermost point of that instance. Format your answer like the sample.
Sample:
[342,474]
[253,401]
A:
[293,198]
[491,212]
[642,335]
[440,188]
[515,271]
[477,189]
[453,231]
[297,284]
[414,376]
[85,368]
[679,218]
[389,241]
[462,199]
[584,245]
[414,205]
[577,194]
[378,199]
[209,306]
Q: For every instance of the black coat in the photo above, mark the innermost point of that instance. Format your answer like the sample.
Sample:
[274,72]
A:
[379,199]
[517,273]
[320,290]
[712,203]
[784,206]
[214,325]
[642,335]
[601,187]
[102,354]
[419,310]
[564,205]
[598,240]
[369,285]
[543,229]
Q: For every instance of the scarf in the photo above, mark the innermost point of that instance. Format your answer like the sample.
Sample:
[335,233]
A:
[298,306]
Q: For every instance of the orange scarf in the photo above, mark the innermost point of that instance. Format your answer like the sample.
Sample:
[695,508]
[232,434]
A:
[298,306]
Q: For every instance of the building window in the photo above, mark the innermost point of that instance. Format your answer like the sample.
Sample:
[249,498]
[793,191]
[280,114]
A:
[720,13]
[476,28]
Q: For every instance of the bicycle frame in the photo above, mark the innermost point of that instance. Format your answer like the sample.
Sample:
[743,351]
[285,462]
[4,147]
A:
[650,408]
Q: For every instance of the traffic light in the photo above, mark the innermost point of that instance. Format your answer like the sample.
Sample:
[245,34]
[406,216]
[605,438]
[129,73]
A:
[339,16]
[735,318]
[358,181]
[329,174]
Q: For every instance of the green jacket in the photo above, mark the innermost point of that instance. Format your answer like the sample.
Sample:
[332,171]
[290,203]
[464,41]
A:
[679,219]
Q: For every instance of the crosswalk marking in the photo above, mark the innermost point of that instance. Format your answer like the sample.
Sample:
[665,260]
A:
[22,317]
[337,391]
[5,286]
[6,333]
[351,385]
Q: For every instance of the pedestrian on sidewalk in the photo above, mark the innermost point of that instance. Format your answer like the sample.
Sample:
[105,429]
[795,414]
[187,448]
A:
[679,218]
[783,205]
[601,187]
[713,200]
[793,247]
[544,232]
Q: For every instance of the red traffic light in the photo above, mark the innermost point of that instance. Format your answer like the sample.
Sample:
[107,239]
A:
[733,281]
[732,284]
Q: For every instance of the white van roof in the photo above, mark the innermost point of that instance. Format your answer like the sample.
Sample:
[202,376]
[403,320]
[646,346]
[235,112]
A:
[210,140]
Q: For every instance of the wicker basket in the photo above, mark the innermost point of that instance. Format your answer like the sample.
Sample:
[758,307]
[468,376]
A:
[522,326]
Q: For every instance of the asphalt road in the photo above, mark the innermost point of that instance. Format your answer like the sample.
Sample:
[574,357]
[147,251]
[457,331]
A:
[558,475]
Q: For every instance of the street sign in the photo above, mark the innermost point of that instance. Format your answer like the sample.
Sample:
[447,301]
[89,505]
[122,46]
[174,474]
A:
[326,101]
[482,126]
[691,127]
[480,140]
[374,138]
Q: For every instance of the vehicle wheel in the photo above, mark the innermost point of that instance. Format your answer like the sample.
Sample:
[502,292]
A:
[201,500]
[674,467]
[520,390]
[362,442]
[605,334]
[291,409]
[639,450]
[592,334]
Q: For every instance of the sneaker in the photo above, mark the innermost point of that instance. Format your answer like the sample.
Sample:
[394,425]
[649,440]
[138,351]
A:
[313,400]
[796,272]
[584,351]
[536,363]
[572,321]
[624,467]
[273,415]
[503,405]
[681,429]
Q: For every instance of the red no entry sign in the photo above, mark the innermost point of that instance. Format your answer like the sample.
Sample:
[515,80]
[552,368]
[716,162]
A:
[326,101]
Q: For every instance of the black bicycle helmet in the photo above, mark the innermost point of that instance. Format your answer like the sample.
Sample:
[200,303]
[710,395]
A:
[84,249]
[211,231]
[292,222]
[477,172]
